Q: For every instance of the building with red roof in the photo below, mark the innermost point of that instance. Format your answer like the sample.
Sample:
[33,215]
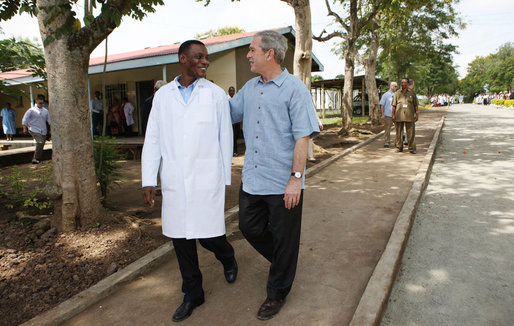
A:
[133,74]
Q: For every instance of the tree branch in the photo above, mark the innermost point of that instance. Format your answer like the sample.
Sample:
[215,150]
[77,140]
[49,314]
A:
[337,17]
[322,38]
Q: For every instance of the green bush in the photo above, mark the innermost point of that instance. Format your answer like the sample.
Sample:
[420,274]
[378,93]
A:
[108,173]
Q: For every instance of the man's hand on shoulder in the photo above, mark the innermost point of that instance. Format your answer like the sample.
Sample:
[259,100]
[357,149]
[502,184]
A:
[293,192]
[149,196]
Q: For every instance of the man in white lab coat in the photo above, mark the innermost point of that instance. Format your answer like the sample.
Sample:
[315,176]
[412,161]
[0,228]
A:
[189,143]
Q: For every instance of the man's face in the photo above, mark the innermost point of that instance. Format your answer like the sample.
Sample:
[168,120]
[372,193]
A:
[393,87]
[256,56]
[39,103]
[405,84]
[231,92]
[195,61]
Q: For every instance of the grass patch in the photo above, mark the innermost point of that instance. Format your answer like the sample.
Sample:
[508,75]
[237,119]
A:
[338,121]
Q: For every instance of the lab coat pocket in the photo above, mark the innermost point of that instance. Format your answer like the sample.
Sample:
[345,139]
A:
[169,180]
[208,174]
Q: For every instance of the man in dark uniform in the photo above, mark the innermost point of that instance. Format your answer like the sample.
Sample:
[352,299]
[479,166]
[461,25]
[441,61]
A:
[405,113]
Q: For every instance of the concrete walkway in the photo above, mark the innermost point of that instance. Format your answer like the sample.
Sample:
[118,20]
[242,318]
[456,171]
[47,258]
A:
[458,268]
[350,208]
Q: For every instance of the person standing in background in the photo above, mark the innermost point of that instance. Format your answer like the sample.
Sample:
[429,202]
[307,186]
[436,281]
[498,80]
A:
[8,115]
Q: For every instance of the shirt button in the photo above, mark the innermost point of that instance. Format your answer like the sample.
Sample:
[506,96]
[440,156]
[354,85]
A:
[257,121]
[256,166]
[255,152]
[259,107]
[262,93]
[256,137]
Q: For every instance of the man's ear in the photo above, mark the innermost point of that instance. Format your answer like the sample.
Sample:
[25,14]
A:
[270,55]
[182,58]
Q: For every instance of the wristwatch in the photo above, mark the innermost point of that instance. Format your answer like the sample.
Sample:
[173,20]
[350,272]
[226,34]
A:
[297,175]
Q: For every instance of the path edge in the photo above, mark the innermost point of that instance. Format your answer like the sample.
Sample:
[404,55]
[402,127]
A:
[374,299]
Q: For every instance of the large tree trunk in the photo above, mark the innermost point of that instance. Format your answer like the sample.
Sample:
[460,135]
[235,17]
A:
[303,45]
[75,191]
[370,65]
[349,67]
[78,199]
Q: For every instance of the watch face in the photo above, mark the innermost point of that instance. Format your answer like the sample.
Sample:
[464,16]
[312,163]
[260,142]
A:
[298,175]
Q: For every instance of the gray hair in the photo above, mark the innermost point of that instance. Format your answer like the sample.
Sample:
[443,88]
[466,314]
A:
[276,41]
[159,84]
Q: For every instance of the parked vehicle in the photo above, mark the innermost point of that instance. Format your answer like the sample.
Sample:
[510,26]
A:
[357,105]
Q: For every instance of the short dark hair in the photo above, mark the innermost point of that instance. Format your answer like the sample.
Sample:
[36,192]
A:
[186,45]
[41,97]
[232,88]
[8,103]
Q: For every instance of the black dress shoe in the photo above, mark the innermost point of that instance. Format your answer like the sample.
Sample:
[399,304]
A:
[270,308]
[186,309]
[413,152]
[231,272]
[398,151]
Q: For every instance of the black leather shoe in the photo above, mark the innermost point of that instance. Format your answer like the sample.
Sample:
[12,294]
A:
[186,309]
[413,152]
[231,272]
[270,308]
[398,151]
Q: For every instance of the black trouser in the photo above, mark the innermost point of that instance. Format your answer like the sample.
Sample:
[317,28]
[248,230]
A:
[188,261]
[274,231]
[236,129]
[98,119]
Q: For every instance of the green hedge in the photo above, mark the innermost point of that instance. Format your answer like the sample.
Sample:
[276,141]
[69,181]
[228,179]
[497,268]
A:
[507,103]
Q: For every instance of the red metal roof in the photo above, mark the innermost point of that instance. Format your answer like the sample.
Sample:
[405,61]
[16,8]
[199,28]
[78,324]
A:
[15,74]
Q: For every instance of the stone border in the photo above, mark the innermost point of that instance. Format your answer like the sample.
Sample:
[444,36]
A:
[79,302]
[374,299]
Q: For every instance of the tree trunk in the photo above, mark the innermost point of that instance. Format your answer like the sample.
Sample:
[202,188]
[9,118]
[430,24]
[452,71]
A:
[77,202]
[389,63]
[75,192]
[303,45]
[370,65]
[349,67]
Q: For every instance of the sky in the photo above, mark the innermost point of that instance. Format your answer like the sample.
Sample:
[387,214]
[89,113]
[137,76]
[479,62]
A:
[489,25]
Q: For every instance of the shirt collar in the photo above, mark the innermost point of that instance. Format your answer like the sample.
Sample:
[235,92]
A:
[184,87]
[279,79]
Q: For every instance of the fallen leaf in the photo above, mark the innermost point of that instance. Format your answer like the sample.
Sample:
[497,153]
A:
[464,152]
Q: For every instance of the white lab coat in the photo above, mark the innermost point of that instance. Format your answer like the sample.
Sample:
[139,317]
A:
[129,111]
[190,146]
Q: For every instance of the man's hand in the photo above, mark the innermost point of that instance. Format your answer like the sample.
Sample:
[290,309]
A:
[293,192]
[383,117]
[320,126]
[394,117]
[25,130]
[149,196]
[416,117]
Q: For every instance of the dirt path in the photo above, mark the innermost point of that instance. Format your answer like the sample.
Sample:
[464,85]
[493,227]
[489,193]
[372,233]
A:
[349,211]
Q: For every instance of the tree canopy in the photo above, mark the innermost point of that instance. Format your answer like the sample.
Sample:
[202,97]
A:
[222,31]
[494,73]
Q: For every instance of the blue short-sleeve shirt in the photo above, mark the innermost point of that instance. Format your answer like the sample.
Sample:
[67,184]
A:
[275,115]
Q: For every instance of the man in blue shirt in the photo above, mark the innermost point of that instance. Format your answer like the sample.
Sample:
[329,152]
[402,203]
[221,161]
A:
[34,122]
[387,112]
[278,120]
